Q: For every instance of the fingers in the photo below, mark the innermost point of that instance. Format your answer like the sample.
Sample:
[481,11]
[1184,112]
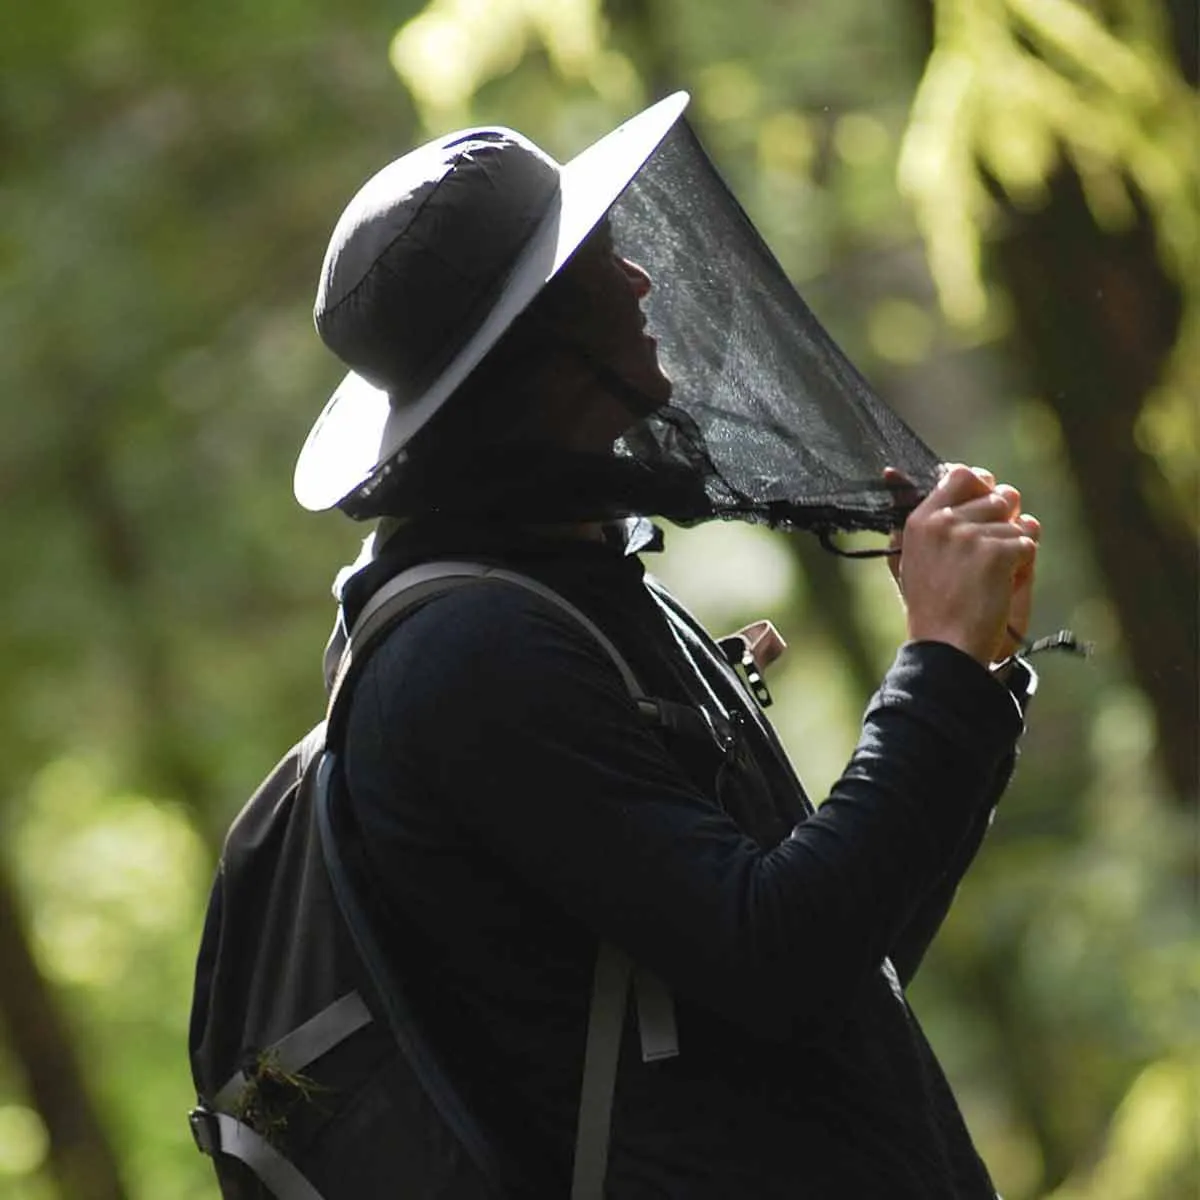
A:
[904,493]
[974,490]
[1021,549]
[995,507]
[969,495]
[983,473]
[1012,498]
[1030,526]
[969,558]
[957,484]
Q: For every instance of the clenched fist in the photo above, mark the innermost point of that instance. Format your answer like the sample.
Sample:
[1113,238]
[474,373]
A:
[966,565]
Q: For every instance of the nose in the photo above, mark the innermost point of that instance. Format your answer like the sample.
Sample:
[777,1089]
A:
[638,277]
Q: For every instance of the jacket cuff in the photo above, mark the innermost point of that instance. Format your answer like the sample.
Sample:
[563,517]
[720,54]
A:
[964,699]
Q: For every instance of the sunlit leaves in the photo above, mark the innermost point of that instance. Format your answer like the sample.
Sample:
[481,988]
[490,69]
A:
[787,143]
[116,882]
[23,1141]
[900,331]
[728,91]
[113,872]
[1014,84]
[1150,1148]
[452,47]
[1168,426]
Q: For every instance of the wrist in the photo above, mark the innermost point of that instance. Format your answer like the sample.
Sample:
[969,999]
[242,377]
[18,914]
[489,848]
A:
[964,693]
[969,646]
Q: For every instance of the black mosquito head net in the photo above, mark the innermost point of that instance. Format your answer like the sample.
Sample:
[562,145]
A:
[767,420]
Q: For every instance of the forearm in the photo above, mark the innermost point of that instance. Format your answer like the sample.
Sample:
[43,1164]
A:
[780,940]
[907,816]
[914,939]
[917,934]
[598,819]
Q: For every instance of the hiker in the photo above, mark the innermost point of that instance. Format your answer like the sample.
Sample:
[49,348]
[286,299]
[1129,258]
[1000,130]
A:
[533,377]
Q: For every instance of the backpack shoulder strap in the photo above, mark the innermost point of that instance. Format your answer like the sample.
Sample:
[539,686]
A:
[401,595]
[411,588]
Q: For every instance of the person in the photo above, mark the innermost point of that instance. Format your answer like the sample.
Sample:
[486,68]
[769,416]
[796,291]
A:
[513,808]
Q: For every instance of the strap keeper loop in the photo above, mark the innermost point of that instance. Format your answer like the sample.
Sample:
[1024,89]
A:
[206,1132]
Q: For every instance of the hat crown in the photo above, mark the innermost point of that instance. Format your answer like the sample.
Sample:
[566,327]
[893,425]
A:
[418,256]
[387,303]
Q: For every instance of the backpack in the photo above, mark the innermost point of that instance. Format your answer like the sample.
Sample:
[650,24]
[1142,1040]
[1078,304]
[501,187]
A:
[313,1076]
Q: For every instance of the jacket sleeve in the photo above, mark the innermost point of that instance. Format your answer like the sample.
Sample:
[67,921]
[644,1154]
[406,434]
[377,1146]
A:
[516,723]
[918,932]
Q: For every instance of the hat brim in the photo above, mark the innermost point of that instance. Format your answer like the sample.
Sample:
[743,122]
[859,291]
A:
[359,431]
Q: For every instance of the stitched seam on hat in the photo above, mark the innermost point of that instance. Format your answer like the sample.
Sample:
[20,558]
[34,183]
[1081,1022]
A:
[483,300]
[383,252]
[471,318]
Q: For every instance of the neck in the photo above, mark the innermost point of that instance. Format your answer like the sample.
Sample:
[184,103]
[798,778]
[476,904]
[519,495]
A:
[588,531]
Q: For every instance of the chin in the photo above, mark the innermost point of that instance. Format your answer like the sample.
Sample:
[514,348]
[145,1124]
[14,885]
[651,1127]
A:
[653,382]
[659,388]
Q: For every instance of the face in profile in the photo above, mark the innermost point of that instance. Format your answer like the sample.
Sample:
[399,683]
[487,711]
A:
[580,355]
[599,310]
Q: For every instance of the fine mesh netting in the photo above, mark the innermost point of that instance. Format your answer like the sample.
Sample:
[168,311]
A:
[767,420]
[764,403]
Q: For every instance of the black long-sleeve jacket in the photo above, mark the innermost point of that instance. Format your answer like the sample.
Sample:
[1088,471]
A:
[514,809]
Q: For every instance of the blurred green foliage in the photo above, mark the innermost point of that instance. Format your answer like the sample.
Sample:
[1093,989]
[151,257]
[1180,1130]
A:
[172,172]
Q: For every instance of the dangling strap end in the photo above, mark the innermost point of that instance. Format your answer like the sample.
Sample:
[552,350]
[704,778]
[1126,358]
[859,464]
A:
[1064,640]
[656,1017]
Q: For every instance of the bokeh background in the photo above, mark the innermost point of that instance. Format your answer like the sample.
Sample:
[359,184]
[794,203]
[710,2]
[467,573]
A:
[994,205]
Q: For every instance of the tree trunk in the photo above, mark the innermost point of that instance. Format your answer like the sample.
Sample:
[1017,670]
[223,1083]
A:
[167,751]
[1184,16]
[1097,318]
[82,1161]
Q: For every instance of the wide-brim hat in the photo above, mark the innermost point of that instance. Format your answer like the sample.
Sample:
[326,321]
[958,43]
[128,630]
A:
[430,264]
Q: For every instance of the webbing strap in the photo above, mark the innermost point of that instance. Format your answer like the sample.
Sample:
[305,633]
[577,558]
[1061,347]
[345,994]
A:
[228,1135]
[609,989]
[656,1017]
[404,1026]
[306,1043]
[689,632]
[413,587]
[656,1010]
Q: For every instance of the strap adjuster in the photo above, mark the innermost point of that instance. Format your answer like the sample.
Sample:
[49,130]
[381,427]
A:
[206,1132]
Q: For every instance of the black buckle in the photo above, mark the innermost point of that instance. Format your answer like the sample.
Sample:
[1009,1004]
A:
[721,729]
[736,650]
[692,722]
[755,681]
[206,1133]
